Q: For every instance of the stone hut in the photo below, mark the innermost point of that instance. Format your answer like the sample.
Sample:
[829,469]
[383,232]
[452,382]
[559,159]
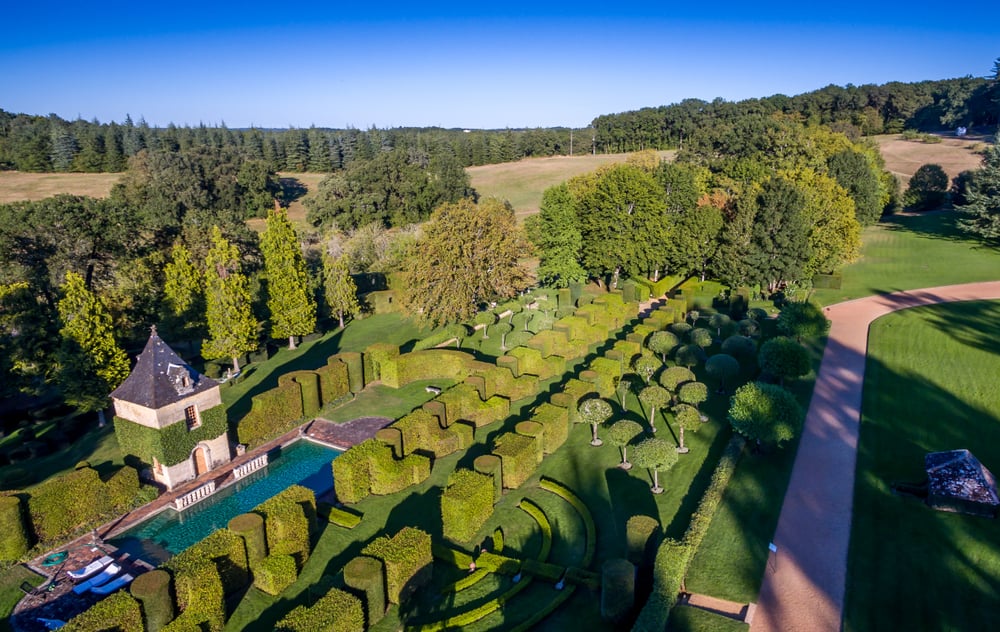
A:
[170,417]
[957,481]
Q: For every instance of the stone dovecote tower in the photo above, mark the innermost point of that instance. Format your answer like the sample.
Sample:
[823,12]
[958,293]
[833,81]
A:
[170,417]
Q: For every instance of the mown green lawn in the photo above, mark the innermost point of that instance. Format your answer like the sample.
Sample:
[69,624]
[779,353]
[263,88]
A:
[930,385]
[916,251]
[10,592]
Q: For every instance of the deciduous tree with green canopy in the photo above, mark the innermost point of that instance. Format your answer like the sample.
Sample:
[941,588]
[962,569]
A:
[486,319]
[658,456]
[232,328]
[621,434]
[687,418]
[927,189]
[834,231]
[623,386]
[853,171]
[779,239]
[91,364]
[339,288]
[645,366]
[765,413]
[653,398]
[555,233]
[783,358]
[289,299]
[595,412]
[470,254]
[693,394]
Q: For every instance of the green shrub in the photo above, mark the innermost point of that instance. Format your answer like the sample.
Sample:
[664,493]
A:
[122,489]
[343,518]
[389,476]
[425,365]
[531,361]
[542,570]
[643,536]
[469,617]
[462,402]
[536,431]
[441,336]
[289,522]
[519,457]
[250,527]
[226,550]
[275,573]
[551,606]
[496,563]
[583,577]
[333,381]
[420,431]
[152,589]
[555,424]
[55,507]
[336,611]
[355,370]
[366,575]
[544,526]
[672,559]
[374,356]
[272,413]
[14,540]
[499,380]
[119,612]
[466,504]
[352,473]
[408,561]
[490,465]
[509,362]
[393,438]
[617,589]
[563,492]
[200,596]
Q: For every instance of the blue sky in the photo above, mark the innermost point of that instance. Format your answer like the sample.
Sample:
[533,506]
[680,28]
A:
[460,64]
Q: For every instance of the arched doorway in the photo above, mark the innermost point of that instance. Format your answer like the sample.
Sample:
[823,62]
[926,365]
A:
[201,460]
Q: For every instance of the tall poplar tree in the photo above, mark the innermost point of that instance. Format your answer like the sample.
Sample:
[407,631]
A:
[232,328]
[339,288]
[183,290]
[91,364]
[292,307]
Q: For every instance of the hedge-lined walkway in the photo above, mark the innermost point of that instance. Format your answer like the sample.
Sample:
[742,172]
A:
[805,591]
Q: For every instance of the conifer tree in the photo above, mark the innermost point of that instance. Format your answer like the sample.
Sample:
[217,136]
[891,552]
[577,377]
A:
[183,290]
[339,288]
[91,364]
[293,310]
[232,328]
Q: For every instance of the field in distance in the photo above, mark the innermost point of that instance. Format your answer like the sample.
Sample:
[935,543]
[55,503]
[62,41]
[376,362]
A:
[17,185]
[953,154]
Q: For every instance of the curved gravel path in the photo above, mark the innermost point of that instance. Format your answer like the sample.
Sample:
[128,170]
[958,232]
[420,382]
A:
[805,589]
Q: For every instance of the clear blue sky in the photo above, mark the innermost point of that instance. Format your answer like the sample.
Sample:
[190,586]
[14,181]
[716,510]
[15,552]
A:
[470,64]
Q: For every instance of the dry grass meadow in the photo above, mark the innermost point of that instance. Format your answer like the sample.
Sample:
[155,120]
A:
[954,155]
[16,186]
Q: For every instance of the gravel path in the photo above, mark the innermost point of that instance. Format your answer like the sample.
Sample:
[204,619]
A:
[805,591]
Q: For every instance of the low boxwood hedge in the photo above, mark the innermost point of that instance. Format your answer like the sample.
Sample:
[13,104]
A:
[564,492]
[617,589]
[544,526]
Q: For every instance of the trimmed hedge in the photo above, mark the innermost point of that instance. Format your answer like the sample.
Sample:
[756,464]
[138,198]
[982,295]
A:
[441,336]
[308,383]
[518,456]
[671,564]
[617,589]
[250,527]
[374,356]
[490,465]
[466,504]
[336,611]
[289,522]
[225,550]
[152,589]
[355,370]
[333,380]
[366,576]
[352,473]
[542,570]
[275,573]
[566,494]
[200,596]
[272,413]
[343,518]
[118,611]
[425,365]
[408,561]
[544,526]
[642,534]
[555,423]
[14,542]
[55,508]
[531,361]
[469,617]
[560,598]
[420,431]
[173,444]
[500,564]
[462,402]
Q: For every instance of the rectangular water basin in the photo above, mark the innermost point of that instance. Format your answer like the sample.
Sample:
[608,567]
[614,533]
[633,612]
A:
[169,532]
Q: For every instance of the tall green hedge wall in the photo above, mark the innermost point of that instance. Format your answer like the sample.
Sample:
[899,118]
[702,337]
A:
[374,356]
[119,612]
[365,575]
[466,504]
[370,468]
[200,596]
[555,421]
[152,589]
[14,540]
[408,561]
[336,611]
[462,402]
[173,444]
[289,522]
[518,456]
[531,361]
[275,573]
[272,413]
[425,365]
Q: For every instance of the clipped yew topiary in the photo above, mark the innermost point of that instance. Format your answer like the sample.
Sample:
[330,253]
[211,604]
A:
[289,521]
[490,465]
[200,596]
[408,561]
[275,573]
[519,457]
[617,589]
[366,575]
[250,527]
[118,611]
[643,535]
[466,504]
[152,589]
[555,422]
[14,541]
[336,611]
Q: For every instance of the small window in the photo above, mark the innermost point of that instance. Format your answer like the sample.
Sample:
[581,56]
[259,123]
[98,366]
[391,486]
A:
[191,417]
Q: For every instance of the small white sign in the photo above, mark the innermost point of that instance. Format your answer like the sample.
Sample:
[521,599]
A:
[772,547]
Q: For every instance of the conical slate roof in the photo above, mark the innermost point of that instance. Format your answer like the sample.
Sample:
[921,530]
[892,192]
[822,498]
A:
[959,474]
[160,377]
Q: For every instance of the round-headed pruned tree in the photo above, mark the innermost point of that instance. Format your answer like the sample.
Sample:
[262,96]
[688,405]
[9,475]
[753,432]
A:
[765,413]
[654,398]
[802,319]
[503,328]
[680,330]
[687,418]
[722,367]
[486,319]
[658,456]
[701,337]
[693,317]
[693,394]
[673,377]
[757,314]
[783,358]
[621,434]
[594,411]
[645,366]
[623,386]
[690,355]
[748,327]
[739,346]
[662,342]
[718,322]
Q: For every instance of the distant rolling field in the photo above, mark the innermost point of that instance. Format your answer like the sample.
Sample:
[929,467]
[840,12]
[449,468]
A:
[16,185]
[954,155]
